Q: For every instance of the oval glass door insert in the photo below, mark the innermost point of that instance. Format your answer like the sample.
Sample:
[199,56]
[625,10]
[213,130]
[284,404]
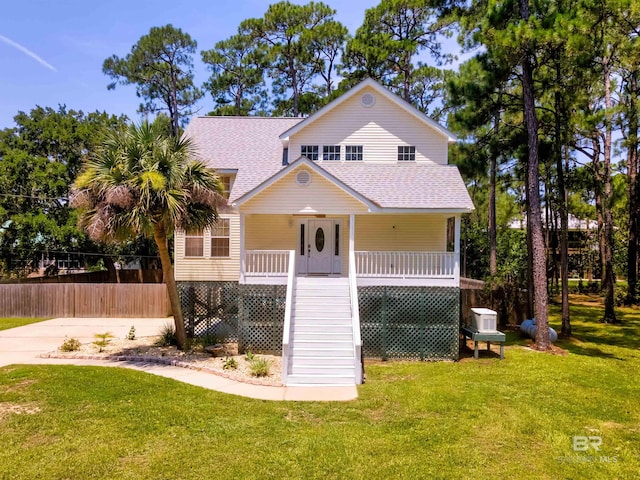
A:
[319,239]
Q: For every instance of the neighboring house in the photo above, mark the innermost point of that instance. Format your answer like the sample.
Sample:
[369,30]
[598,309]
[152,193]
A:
[341,239]
[582,244]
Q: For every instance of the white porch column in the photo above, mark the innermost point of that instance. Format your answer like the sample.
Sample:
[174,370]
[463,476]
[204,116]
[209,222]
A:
[456,250]
[352,233]
[242,256]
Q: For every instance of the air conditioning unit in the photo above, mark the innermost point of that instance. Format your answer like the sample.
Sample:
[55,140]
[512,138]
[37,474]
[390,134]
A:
[484,320]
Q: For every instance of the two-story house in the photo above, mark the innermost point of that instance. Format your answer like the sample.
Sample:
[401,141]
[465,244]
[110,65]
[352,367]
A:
[340,241]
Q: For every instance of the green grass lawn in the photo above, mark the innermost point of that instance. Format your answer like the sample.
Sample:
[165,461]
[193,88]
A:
[7,323]
[470,419]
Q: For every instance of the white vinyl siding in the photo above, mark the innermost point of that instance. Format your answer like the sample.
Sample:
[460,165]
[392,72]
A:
[407,233]
[270,232]
[318,196]
[207,267]
[380,129]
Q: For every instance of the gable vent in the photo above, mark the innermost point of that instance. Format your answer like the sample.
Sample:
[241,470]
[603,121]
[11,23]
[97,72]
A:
[368,100]
[303,178]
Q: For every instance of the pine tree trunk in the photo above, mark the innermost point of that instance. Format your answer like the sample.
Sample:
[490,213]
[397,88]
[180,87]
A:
[632,191]
[609,276]
[598,180]
[533,198]
[564,215]
[493,263]
[160,236]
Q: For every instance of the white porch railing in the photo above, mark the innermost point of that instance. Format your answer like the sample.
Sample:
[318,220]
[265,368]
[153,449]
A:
[406,264]
[355,319]
[286,334]
[266,263]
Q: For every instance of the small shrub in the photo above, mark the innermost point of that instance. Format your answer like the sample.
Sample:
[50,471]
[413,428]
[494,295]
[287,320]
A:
[70,345]
[132,333]
[621,291]
[249,357]
[167,336]
[206,340]
[259,367]
[102,340]
[229,364]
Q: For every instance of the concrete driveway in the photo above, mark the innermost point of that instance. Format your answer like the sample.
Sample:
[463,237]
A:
[24,344]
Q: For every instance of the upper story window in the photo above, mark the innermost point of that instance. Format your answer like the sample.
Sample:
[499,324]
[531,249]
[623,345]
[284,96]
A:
[353,153]
[220,236]
[406,153]
[309,151]
[226,183]
[331,152]
[194,243]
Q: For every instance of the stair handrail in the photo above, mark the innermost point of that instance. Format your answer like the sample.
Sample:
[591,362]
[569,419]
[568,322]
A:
[286,333]
[355,319]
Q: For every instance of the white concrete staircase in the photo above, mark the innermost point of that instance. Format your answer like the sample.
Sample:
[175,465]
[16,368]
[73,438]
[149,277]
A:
[322,351]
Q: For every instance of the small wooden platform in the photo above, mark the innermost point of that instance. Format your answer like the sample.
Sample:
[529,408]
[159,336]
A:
[476,336]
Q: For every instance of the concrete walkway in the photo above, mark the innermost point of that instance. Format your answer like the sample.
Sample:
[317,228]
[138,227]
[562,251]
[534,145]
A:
[24,344]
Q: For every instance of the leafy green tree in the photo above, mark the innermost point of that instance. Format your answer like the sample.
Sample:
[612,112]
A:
[39,159]
[300,40]
[392,35]
[161,66]
[237,75]
[327,44]
[142,182]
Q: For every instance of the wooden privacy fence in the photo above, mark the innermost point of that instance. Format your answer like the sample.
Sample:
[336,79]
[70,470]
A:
[84,300]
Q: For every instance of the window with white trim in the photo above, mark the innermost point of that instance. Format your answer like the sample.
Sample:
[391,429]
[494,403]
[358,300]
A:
[220,238]
[353,153]
[226,183]
[309,151]
[194,243]
[406,153]
[331,152]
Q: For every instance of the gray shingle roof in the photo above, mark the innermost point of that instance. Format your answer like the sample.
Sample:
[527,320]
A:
[249,144]
[252,146]
[405,185]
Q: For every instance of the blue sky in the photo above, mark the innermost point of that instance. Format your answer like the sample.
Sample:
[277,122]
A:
[51,52]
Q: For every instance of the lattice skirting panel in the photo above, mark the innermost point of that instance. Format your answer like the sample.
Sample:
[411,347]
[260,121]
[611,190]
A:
[252,315]
[410,322]
[261,318]
[210,308]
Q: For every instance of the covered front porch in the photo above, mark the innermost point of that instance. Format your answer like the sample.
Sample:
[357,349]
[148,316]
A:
[385,249]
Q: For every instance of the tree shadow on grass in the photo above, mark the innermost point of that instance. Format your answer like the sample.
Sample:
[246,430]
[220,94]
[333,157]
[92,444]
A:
[591,336]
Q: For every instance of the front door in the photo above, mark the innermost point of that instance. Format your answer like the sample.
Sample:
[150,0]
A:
[320,247]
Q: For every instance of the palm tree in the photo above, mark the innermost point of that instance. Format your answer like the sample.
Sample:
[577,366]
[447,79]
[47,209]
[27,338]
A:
[143,181]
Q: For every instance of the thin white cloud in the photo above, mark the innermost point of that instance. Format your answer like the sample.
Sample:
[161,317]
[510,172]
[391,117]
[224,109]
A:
[28,52]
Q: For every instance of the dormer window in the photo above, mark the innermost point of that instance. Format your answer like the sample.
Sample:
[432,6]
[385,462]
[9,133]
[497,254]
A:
[309,151]
[406,153]
[226,182]
[331,152]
